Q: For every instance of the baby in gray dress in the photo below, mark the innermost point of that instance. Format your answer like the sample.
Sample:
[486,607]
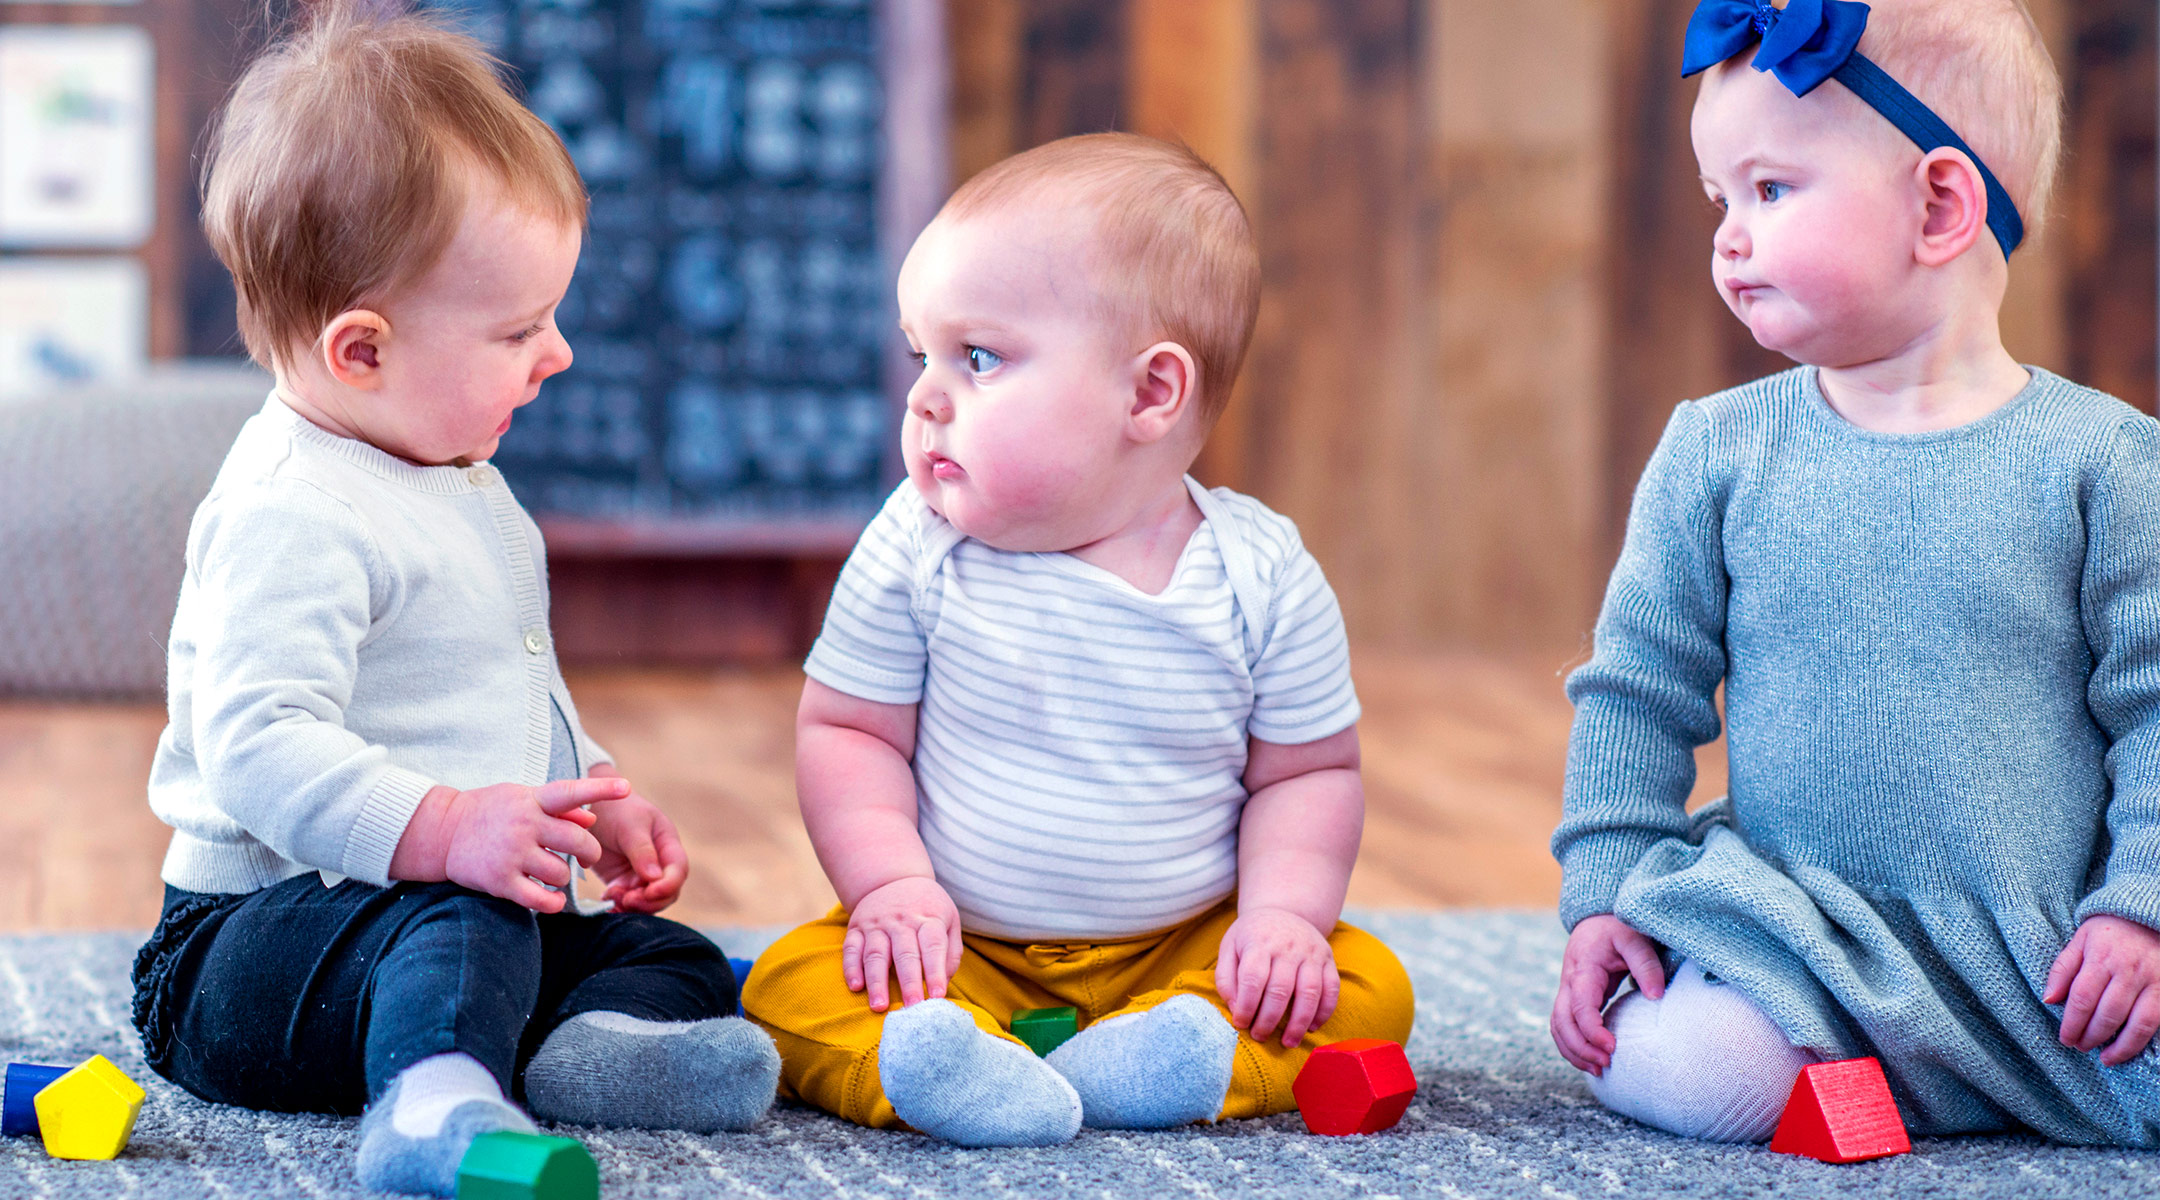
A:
[1928,580]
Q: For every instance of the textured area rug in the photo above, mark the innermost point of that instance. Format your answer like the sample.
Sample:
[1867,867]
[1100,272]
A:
[1497,1115]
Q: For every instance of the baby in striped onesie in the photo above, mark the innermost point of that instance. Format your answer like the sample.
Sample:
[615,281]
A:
[1078,731]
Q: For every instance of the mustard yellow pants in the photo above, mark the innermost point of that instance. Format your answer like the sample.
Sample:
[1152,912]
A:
[828,1036]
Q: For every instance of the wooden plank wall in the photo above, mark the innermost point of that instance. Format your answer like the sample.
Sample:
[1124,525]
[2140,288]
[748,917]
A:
[1484,250]
[2106,220]
[1483,253]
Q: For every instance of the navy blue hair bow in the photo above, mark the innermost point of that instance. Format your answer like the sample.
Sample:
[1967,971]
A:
[1809,41]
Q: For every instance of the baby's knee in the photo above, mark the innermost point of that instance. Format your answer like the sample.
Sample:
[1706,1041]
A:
[1377,1000]
[1703,1062]
[799,975]
[448,910]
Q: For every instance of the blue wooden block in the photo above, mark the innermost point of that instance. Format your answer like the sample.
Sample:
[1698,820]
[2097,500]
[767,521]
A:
[18,1109]
[741,967]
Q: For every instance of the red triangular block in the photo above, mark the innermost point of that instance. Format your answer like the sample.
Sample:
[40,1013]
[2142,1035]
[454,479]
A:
[1841,1112]
[1358,1085]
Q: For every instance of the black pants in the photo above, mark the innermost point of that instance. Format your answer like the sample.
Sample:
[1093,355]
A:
[302,998]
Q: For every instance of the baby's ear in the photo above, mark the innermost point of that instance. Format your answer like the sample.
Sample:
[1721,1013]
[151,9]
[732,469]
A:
[1956,206]
[1166,383]
[351,347]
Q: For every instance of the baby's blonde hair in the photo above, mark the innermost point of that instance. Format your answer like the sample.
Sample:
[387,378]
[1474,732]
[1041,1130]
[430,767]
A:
[1174,252]
[1982,66]
[340,166]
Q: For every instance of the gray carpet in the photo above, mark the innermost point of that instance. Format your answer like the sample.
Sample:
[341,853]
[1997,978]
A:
[1497,1115]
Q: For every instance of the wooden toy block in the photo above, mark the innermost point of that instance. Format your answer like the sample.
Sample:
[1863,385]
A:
[527,1166]
[1362,1085]
[1841,1112]
[1045,1029]
[89,1112]
[741,967]
[18,1110]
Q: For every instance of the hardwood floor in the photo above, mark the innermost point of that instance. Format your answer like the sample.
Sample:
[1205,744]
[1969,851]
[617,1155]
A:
[1463,760]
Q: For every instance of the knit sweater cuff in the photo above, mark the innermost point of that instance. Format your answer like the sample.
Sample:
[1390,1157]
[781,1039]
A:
[374,837]
[2134,899]
[1593,868]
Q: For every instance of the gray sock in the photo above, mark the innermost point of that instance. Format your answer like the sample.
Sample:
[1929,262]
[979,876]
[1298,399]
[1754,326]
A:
[949,1079]
[1157,1069]
[418,1151]
[609,1068]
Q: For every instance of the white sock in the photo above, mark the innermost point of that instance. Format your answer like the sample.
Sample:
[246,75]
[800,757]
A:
[1703,1062]
[433,1086]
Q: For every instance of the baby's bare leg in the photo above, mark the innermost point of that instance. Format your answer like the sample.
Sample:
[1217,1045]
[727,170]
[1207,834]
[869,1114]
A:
[1702,1062]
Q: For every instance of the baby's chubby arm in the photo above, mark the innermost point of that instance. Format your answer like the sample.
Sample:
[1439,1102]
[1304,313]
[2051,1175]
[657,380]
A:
[1297,840]
[857,791]
[2108,977]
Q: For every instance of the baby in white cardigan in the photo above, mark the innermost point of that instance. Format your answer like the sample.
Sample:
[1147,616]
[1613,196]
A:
[373,770]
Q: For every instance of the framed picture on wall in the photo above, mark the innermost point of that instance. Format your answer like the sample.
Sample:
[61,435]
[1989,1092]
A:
[71,320]
[77,162]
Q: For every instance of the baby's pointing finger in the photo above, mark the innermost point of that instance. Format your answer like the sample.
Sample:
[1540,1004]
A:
[563,795]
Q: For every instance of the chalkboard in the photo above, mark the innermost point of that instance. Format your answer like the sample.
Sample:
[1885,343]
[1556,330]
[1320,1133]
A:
[731,313]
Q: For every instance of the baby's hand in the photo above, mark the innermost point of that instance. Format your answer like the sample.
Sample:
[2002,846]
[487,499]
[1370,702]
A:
[641,856]
[909,929]
[2108,982]
[1599,953]
[500,838]
[1273,967]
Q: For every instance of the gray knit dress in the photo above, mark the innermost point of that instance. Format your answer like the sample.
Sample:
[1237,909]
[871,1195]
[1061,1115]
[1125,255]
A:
[1941,660]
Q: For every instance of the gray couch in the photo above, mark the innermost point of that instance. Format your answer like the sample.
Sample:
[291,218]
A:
[97,484]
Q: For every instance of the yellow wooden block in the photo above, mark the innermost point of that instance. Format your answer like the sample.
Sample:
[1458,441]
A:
[89,1112]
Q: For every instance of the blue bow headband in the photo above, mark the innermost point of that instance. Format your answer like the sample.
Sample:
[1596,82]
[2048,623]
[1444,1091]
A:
[1809,41]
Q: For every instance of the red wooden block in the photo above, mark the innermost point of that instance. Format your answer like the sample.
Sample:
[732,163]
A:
[1841,1112]
[1362,1085]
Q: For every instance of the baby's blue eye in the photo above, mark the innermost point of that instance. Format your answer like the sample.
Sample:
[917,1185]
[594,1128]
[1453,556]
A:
[918,358]
[982,361]
[1771,190]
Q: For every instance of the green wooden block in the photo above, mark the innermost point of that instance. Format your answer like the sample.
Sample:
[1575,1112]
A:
[1045,1029]
[527,1166]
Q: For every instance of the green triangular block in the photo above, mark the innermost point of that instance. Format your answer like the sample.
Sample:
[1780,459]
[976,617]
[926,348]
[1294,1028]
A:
[1045,1029]
[527,1166]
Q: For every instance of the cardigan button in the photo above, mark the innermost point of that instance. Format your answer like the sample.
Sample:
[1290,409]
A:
[535,641]
[481,476]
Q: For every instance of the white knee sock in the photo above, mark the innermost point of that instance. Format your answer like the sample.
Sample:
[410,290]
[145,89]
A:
[434,1086]
[1702,1062]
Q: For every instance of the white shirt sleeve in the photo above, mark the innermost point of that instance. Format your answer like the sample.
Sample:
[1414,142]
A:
[287,582]
[1301,685]
[872,646]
